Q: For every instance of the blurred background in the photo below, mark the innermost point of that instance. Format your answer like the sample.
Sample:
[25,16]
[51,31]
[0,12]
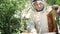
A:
[11,20]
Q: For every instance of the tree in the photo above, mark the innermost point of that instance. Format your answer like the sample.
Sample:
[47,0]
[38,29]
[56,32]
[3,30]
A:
[8,22]
[51,2]
[58,2]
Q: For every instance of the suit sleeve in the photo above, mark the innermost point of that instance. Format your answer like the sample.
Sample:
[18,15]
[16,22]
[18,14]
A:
[30,27]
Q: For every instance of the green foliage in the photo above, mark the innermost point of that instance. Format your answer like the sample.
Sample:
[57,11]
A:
[52,2]
[58,21]
[58,2]
[8,23]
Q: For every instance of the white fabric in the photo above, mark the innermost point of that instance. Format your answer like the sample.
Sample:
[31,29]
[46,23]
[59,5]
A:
[38,19]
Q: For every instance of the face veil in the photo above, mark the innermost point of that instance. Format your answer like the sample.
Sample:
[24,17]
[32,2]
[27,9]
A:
[38,6]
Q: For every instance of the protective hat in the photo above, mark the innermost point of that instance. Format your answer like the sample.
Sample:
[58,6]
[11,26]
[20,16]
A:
[37,0]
